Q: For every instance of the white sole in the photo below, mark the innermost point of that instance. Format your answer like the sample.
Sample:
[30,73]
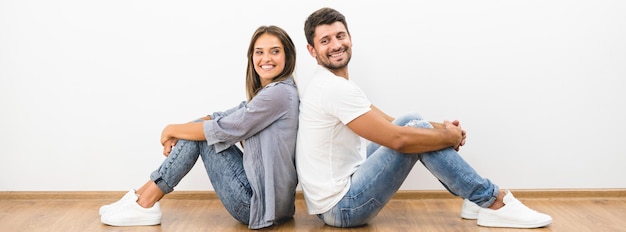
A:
[469,216]
[496,223]
[142,222]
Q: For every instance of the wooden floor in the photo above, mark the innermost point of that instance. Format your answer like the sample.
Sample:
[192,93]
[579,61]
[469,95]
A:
[78,211]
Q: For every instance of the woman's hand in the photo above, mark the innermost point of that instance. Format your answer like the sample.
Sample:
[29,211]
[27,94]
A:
[166,134]
[173,132]
[168,145]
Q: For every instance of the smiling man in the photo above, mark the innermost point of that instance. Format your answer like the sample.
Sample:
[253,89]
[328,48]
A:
[346,189]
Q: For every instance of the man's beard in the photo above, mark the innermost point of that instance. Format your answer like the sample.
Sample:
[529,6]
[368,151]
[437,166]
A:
[336,66]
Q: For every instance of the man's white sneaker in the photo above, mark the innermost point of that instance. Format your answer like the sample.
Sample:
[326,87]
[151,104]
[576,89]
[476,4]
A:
[469,210]
[513,214]
[130,213]
[129,196]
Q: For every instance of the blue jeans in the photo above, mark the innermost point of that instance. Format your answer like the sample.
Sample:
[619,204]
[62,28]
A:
[384,171]
[225,169]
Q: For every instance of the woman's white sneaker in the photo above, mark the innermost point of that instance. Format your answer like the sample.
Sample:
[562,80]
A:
[132,214]
[127,212]
[129,196]
[514,214]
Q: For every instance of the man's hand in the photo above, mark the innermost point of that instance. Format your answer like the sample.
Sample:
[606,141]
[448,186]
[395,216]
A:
[463,134]
[453,133]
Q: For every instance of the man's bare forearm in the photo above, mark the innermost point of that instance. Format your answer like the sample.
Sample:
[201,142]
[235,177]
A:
[386,116]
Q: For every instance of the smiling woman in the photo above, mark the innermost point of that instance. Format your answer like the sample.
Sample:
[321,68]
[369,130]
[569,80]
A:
[268,58]
[245,181]
[271,55]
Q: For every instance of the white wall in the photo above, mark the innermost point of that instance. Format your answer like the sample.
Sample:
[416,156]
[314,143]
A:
[87,86]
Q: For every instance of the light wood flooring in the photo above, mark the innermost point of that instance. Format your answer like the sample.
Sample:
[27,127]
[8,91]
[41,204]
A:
[572,211]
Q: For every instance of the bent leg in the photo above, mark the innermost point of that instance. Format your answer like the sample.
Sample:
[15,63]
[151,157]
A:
[374,183]
[456,175]
[384,171]
[180,161]
[459,177]
[225,169]
[144,209]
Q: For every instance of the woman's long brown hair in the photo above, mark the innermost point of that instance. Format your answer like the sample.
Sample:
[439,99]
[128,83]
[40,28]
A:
[253,82]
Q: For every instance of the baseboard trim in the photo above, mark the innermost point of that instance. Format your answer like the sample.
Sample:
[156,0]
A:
[400,195]
[521,193]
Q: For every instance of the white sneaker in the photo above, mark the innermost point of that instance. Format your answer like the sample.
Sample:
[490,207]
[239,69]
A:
[513,214]
[129,196]
[129,213]
[469,210]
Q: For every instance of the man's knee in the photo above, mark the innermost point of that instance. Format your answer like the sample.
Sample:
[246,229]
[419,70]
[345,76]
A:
[412,119]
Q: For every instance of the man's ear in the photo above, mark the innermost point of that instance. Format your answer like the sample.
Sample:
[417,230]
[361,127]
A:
[311,50]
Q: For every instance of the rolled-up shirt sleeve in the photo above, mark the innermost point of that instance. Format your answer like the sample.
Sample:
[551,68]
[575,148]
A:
[229,111]
[239,123]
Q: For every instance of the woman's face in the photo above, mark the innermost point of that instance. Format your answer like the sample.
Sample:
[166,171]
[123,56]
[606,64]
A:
[268,57]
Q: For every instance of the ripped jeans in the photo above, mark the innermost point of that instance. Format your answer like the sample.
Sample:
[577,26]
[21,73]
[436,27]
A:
[384,171]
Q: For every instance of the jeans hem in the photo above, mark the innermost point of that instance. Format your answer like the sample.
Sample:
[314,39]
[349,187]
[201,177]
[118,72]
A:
[160,182]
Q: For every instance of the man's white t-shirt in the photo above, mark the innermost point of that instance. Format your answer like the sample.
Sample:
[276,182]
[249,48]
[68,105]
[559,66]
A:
[327,151]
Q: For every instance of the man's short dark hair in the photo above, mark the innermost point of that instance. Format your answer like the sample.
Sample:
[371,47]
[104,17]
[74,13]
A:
[323,16]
